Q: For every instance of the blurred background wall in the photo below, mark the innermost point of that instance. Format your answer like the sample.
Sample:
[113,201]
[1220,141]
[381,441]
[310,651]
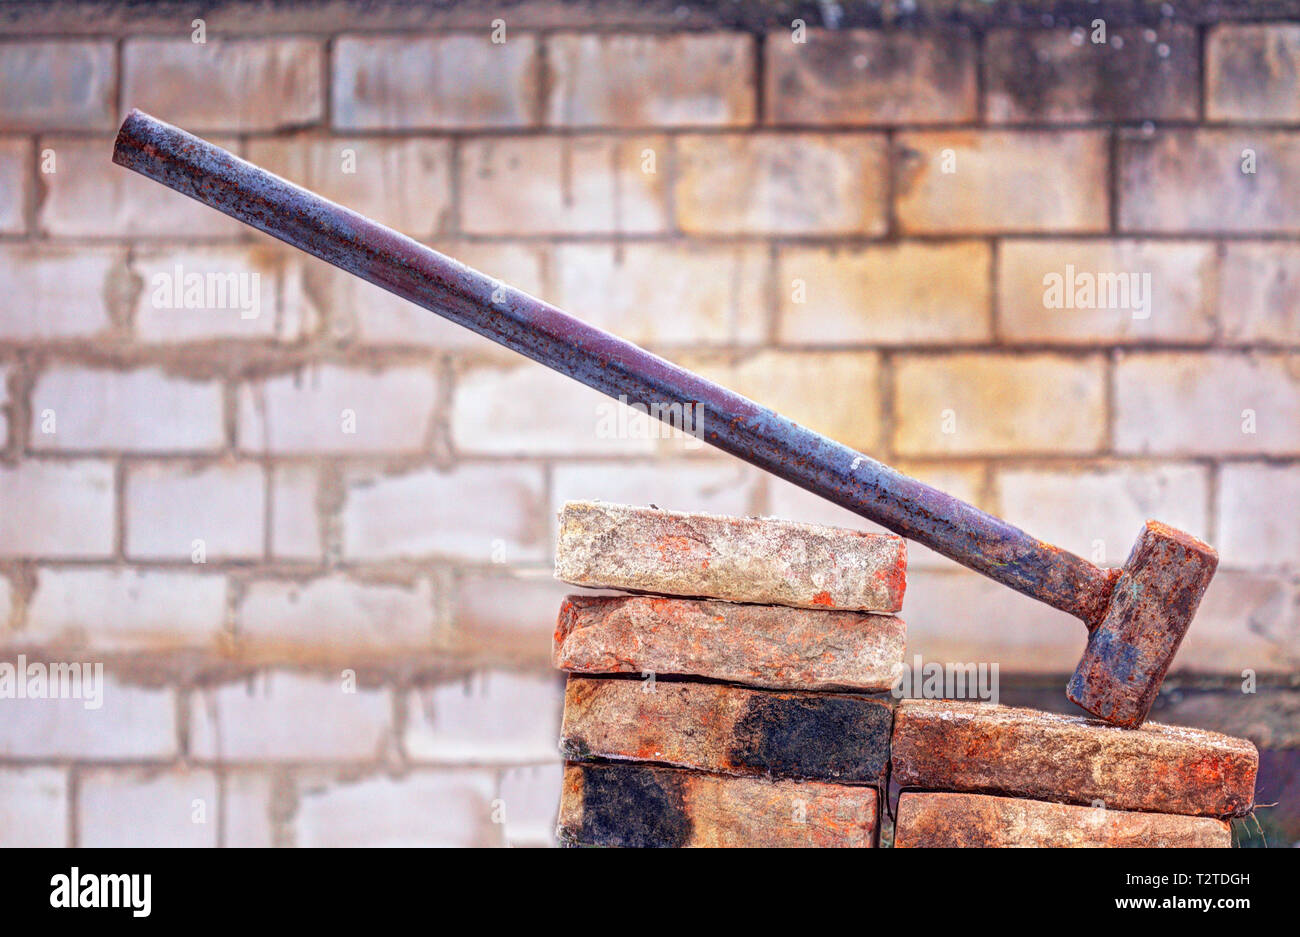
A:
[308,529]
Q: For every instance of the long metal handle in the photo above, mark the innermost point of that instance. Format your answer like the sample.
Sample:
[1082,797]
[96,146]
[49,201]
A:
[615,367]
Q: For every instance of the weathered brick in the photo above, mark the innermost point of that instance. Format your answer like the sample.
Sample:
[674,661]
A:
[332,408]
[978,821]
[288,717]
[728,729]
[170,507]
[1216,403]
[246,84]
[1090,292]
[964,481]
[1060,75]
[997,403]
[418,809]
[78,409]
[527,409]
[760,560]
[65,290]
[57,509]
[1099,512]
[366,314]
[193,295]
[474,512]
[947,745]
[125,609]
[870,77]
[1256,512]
[130,724]
[1253,72]
[529,797]
[836,393]
[34,808]
[295,513]
[641,805]
[715,487]
[759,645]
[87,195]
[15,170]
[777,184]
[897,294]
[56,84]
[444,82]
[1208,180]
[128,808]
[564,185]
[405,184]
[1259,292]
[496,717]
[666,294]
[968,181]
[647,80]
[335,617]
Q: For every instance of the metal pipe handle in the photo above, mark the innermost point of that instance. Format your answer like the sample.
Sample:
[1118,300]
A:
[520,322]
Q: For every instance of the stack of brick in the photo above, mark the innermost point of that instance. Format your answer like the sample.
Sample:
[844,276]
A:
[728,701]
[975,774]
[796,619]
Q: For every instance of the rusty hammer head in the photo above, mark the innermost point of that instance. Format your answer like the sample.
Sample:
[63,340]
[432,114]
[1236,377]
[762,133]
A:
[1134,641]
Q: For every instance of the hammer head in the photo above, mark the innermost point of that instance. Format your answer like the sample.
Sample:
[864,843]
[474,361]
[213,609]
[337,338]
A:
[1151,606]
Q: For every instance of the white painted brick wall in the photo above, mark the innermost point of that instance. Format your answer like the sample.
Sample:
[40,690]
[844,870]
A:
[132,808]
[169,507]
[281,716]
[144,410]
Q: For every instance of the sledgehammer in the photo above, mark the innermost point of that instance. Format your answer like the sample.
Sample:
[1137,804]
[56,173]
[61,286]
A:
[1136,615]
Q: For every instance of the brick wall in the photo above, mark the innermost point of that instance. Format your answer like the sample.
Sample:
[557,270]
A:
[312,546]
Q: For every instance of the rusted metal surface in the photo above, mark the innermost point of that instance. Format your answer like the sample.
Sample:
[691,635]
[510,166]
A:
[1155,598]
[620,369]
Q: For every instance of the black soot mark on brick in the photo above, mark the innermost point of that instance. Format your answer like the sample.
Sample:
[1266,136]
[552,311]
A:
[813,737]
[633,806]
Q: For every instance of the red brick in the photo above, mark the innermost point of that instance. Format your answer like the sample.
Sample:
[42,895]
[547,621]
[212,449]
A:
[762,560]
[639,806]
[977,747]
[761,645]
[727,729]
[979,821]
